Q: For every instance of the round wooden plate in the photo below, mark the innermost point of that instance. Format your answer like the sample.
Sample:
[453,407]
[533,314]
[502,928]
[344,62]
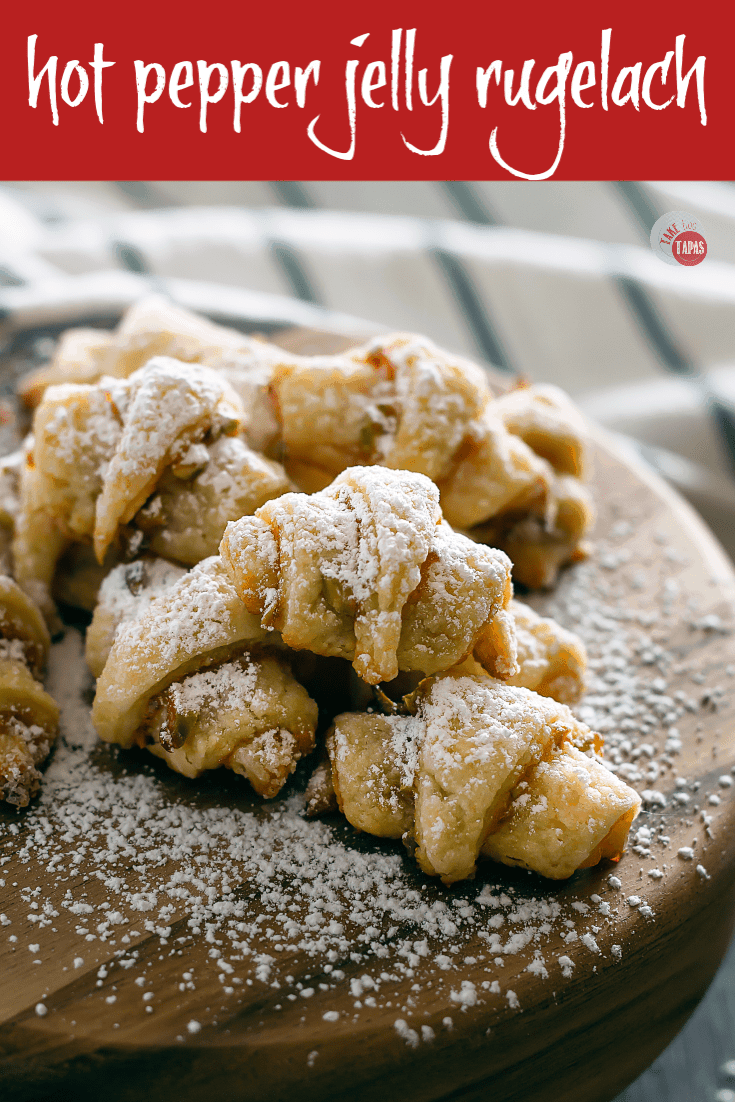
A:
[533,990]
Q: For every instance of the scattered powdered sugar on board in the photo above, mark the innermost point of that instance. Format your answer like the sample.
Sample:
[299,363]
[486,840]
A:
[129,865]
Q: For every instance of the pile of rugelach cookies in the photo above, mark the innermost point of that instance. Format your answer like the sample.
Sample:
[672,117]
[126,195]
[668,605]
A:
[288,554]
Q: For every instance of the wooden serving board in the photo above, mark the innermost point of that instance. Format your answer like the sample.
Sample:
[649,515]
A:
[655,604]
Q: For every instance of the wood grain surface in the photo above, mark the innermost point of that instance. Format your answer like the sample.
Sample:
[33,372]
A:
[575,1039]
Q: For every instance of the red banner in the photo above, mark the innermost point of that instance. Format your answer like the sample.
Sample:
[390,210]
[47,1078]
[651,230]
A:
[392,91]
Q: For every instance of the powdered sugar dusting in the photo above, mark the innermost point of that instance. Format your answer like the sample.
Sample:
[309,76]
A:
[200,613]
[129,588]
[263,904]
[203,693]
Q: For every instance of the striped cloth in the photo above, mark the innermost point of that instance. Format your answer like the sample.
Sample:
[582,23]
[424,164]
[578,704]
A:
[553,281]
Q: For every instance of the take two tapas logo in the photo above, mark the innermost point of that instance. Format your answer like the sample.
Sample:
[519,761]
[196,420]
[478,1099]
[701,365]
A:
[678,238]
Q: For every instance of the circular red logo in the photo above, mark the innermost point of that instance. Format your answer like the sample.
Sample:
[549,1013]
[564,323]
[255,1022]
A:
[689,247]
[678,238]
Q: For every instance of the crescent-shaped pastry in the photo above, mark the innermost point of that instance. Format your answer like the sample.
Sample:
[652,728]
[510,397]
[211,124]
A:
[248,714]
[76,430]
[481,767]
[98,451]
[196,622]
[459,606]
[551,661]
[170,407]
[186,679]
[38,540]
[156,326]
[397,401]
[152,326]
[97,456]
[21,621]
[402,403]
[569,812]
[364,570]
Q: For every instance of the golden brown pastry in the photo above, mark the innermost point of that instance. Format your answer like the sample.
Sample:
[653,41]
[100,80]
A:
[545,418]
[187,678]
[22,625]
[75,432]
[552,661]
[542,538]
[98,451]
[365,570]
[569,812]
[140,452]
[248,714]
[493,474]
[38,541]
[397,401]
[29,717]
[197,621]
[98,454]
[169,410]
[516,483]
[152,326]
[155,326]
[402,403]
[482,767]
